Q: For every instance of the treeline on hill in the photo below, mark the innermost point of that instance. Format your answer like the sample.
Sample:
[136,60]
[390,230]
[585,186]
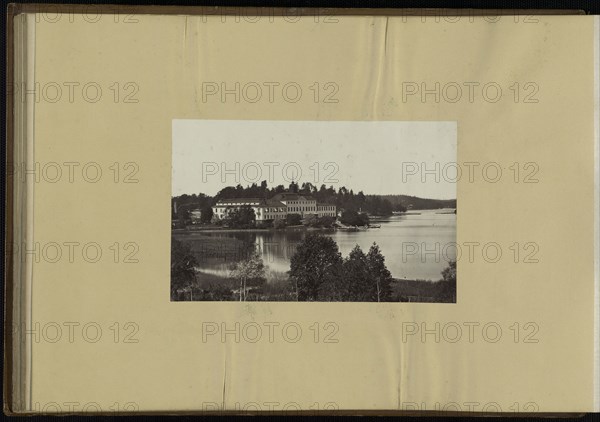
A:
[342,198]
[417,203]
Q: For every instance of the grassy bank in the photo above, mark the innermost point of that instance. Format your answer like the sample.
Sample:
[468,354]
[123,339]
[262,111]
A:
[213,287]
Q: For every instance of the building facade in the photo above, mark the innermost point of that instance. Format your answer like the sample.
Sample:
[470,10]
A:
[326,210]
[271,210]
[278,207]
[225,206]
[297,203]
[264,209]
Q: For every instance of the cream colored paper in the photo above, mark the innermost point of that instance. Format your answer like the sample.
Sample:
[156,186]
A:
[375,364]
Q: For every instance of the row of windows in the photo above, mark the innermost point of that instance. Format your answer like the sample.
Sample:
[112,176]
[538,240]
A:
[309,208]
[321,210]
[301,202]
[302,208]
[275,216]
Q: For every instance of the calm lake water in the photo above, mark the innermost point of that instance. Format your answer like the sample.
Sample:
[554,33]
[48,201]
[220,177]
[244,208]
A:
[416,245]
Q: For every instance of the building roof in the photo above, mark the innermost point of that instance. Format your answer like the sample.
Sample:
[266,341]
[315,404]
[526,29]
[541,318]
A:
[273,203]
[238,200]
[292,197]
[253,201]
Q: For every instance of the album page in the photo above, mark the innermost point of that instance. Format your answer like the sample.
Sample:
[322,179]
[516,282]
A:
[292,211]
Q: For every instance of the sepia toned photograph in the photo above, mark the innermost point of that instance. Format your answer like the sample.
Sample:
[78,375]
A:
[315,211]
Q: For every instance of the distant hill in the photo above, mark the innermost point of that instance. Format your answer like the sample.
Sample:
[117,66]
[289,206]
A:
[419,203]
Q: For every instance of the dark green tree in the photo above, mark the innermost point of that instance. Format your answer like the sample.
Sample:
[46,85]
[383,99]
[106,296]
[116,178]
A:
[399,207]
[380,274]
[207,214]
[353,218]
[183,214]
[334,287]
[447,285]
[358,277]
[242,217]
[326,221]
[279,223]
[311,220]
[183,274]
[251,269]
[315,262]
[386,208]
[279,189]
[293,219]
[449,273]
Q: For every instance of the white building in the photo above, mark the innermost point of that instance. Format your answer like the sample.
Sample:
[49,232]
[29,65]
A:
[224,206]
[271,209]
[264,209]
[326,210]
[297,203]
[277,207]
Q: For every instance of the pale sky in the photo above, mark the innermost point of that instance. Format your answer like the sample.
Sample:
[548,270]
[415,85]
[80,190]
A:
[376,157]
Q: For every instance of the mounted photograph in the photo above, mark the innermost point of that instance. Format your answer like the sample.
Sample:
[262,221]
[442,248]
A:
[314,211]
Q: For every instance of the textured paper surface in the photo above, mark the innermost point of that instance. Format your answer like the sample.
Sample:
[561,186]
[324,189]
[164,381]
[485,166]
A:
[371,367]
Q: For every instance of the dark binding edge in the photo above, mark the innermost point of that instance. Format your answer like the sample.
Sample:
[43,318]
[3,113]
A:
[8,395]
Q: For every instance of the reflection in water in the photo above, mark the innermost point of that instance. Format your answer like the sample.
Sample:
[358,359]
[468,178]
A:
[415,245]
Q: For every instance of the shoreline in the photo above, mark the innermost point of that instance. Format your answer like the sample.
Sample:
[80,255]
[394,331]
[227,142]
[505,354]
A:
[375,219]
[216,230]
[213,276]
